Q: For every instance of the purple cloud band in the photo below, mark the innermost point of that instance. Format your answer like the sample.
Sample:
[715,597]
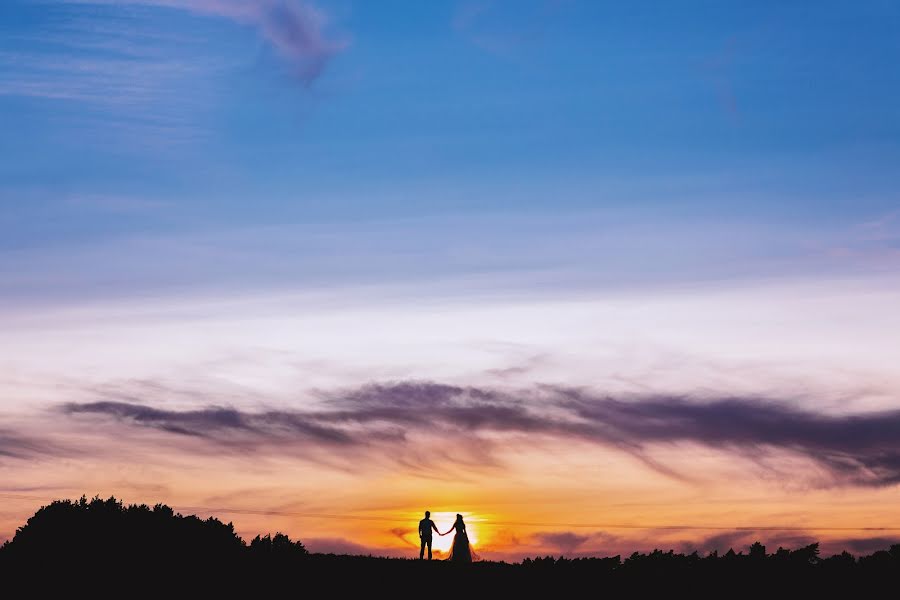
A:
[861,449]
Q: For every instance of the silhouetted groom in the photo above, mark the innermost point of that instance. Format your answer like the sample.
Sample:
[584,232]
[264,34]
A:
[425,527]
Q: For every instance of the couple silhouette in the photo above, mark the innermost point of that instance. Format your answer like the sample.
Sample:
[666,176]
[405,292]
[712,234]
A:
[459,551]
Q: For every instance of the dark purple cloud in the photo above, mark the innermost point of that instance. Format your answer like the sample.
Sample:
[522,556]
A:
[566,541]
[720,542]
[601,544]
[863,546]
[860,449]
[773,539]
[855,449]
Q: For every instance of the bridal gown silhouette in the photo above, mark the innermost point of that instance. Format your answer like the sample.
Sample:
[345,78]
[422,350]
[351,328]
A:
[460,551]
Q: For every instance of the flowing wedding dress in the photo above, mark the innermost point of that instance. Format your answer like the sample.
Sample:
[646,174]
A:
[460,551]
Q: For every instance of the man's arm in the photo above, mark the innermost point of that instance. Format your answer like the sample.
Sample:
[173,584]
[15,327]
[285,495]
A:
[433,526]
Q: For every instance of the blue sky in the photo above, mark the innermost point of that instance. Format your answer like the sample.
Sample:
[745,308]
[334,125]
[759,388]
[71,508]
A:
[123,117]
[155,143]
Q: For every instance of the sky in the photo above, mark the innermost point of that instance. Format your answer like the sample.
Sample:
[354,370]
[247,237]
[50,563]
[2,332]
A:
[601,276]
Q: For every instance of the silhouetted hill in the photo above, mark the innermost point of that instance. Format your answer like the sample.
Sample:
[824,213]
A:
[107,548]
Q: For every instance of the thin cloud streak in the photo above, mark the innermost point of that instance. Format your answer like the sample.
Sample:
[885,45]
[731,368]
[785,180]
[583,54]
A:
[135,84]
[213,422]
[483,25]
[14,445]
[126,78]
[295,29]
[543,255]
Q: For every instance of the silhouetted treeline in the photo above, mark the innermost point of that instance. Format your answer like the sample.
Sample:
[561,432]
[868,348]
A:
[104,547]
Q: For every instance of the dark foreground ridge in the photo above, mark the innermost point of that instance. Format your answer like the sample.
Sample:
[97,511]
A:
[105,547]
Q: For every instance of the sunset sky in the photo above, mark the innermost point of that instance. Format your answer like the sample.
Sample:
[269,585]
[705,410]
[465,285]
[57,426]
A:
[601,276]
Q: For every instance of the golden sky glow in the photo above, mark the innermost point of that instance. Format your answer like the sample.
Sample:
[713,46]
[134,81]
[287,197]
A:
[227,415]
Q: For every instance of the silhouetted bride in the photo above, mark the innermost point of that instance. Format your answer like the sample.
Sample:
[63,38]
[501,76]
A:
[460,551]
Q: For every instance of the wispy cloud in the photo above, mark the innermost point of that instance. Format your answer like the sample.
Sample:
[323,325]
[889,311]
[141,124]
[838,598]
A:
[856,449]
[493,30]
[545,255]
[135,83]
[295,29]
[126,79]
[883,228]
[16,445]
[218,423]
[115,203]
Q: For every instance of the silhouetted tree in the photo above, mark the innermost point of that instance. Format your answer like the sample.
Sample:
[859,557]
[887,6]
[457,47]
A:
[280,545]
[757,551]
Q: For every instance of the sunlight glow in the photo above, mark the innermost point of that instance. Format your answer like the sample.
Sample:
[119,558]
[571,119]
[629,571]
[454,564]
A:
[444,520]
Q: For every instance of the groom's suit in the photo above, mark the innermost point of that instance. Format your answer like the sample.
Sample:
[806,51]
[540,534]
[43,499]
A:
[425,527]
